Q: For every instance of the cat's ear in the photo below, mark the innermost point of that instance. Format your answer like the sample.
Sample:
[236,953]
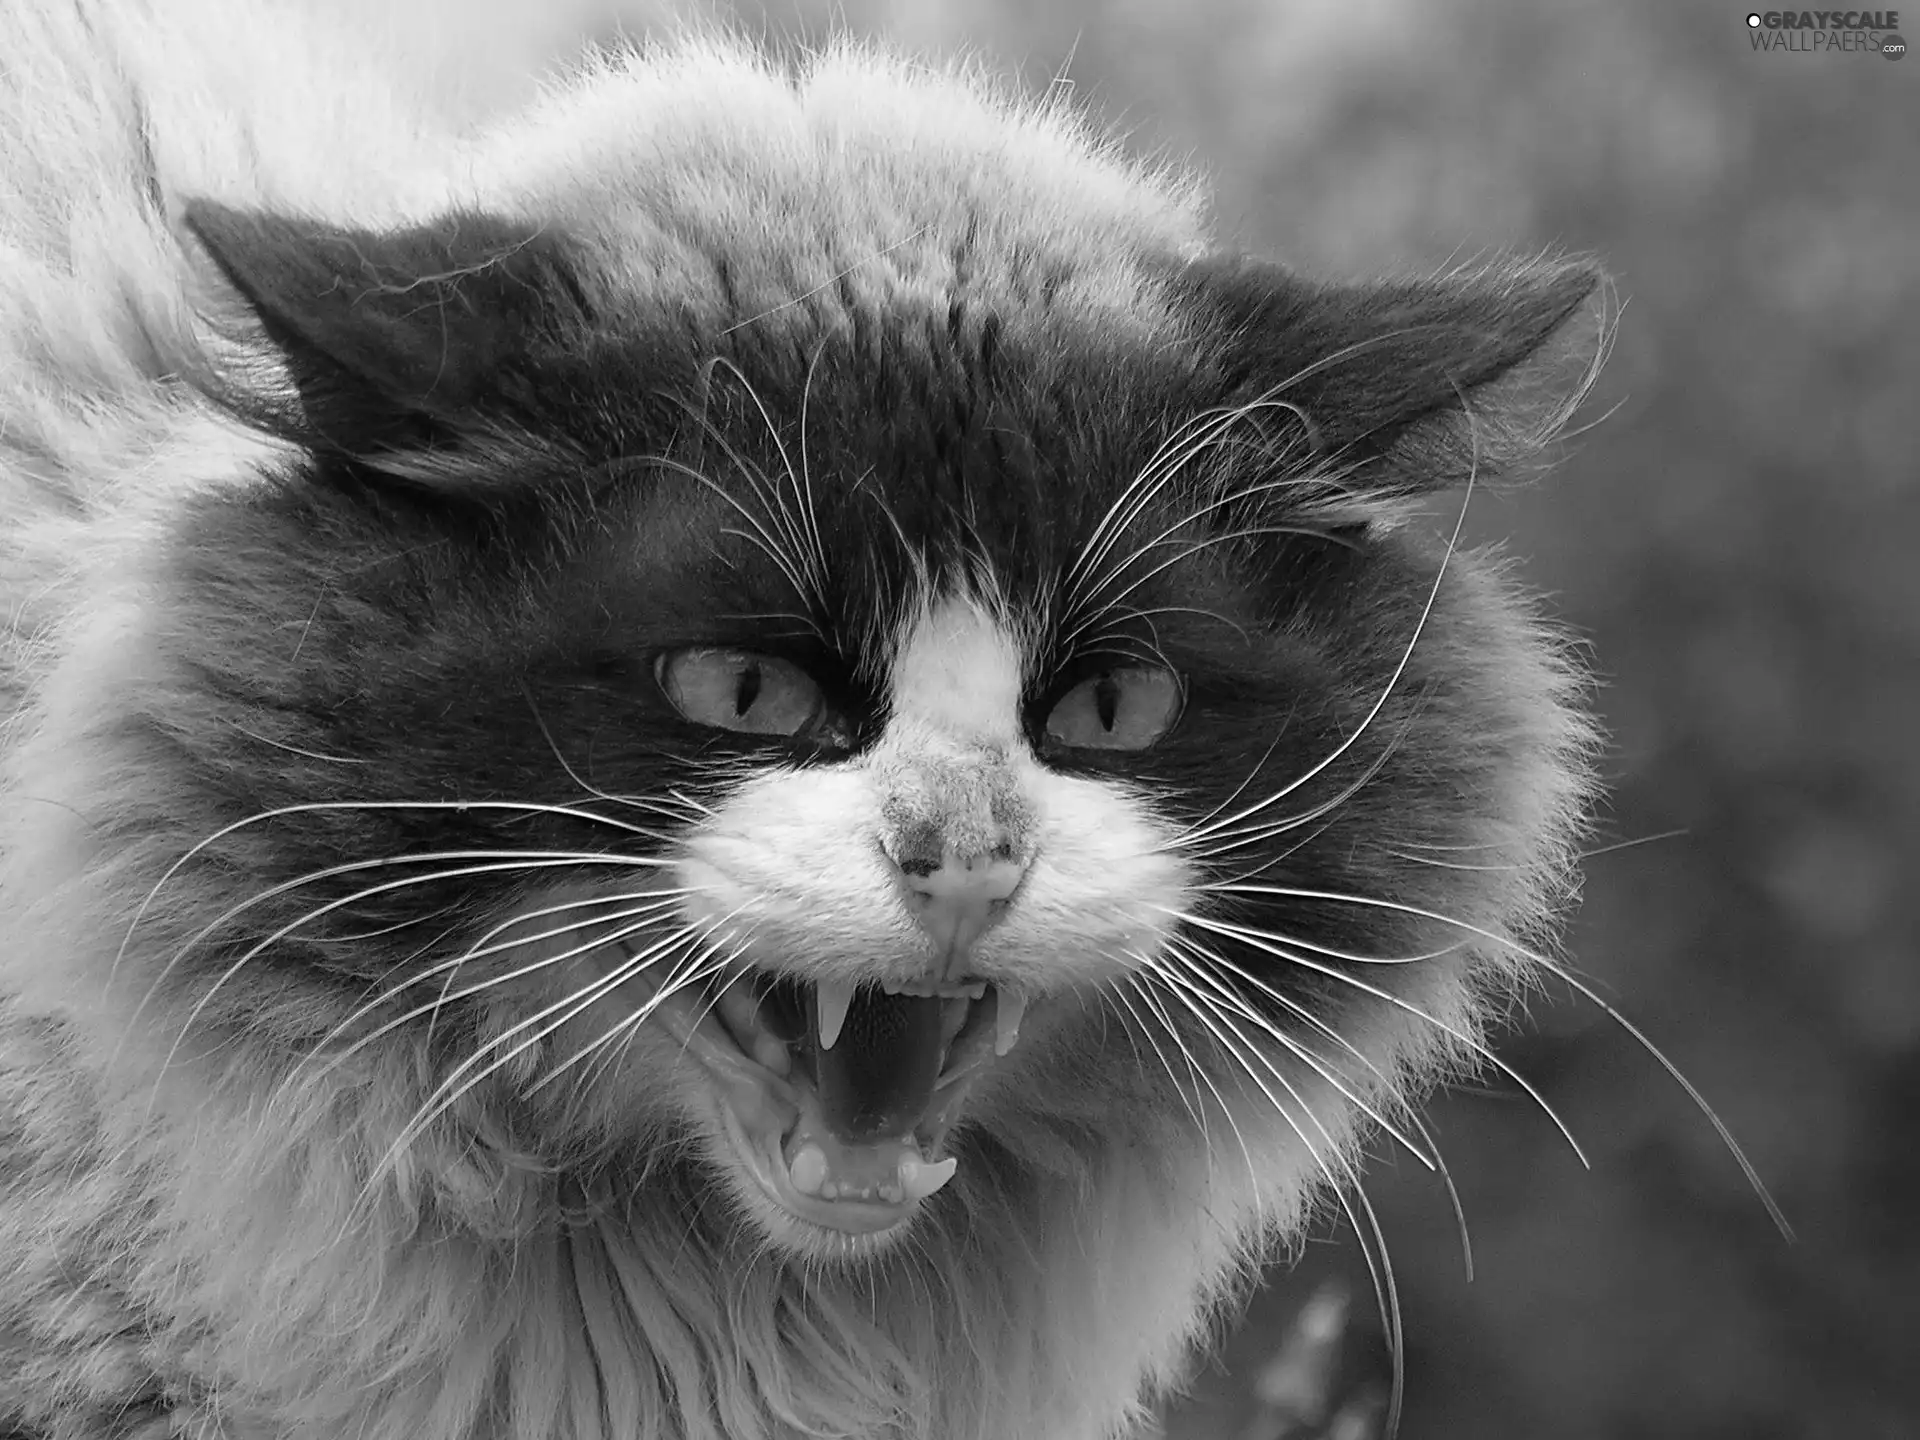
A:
[395,340]
[1405,386]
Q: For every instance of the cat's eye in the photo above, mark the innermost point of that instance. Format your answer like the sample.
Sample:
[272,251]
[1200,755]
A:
[1125,708]
[738,690]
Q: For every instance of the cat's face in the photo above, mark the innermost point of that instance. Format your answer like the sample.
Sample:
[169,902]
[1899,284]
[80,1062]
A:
[901,907]
[860,737]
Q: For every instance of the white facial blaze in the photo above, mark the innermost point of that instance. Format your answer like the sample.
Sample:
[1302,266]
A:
[958,675]
[812,864]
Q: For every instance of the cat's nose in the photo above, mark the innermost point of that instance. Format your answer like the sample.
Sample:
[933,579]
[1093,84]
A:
[958,898]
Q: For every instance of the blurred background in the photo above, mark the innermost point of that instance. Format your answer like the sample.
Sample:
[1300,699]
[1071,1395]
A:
[1740,541]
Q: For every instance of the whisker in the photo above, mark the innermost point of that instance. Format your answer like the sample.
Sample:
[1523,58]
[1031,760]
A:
[237,966]
[1159,471]
[1387,1294]
[1195,1110]
[806,540]
[808,508]
[828,283]
[1179,557]
[1582,857]
[1208,1009]
[698,968]
[1262,942]
[1146,613]
[1238,835]
[1234,1045]
[1453,1193]
[332,806]
[1225,996]
[295,749]
[453,965]
[1774,1212]
[1148,973]
[1638,840]
[1562,973]
[451,1090]
[1164,467]
[1194,438]
[361,937]
[1386,1290]
[501,861]
[1225,837]
[1234,794]
[640,905]
[1393,680]
[637,802]
[1332,952]
[692,804]
[759,537]
[294,1078]
[699,971]
[1198,952]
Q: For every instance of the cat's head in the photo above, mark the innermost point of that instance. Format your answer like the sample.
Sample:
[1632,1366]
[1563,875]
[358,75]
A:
[818,647]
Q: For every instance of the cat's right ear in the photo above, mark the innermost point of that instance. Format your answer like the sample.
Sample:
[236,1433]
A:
[1402,386]
[388,343]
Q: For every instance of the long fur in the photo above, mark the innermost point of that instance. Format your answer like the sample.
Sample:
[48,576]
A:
[202,1240]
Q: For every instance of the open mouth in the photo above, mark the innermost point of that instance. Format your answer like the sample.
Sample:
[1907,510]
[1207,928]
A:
[839,1096]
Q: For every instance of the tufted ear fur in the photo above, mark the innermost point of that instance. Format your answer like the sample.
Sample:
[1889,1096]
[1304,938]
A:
[1401,386]
[397,341]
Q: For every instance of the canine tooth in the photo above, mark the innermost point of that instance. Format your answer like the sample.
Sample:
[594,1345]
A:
[809,1170]
[834,996]
[919,1179]
[1009,1006]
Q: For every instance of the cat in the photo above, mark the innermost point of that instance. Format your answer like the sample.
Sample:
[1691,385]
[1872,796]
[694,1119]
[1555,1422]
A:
[761,753]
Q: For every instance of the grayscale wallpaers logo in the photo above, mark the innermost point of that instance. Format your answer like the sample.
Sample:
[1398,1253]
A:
[1858,32]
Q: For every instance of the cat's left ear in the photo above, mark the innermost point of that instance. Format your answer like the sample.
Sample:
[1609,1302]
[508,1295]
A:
[396,340]
[1405,386]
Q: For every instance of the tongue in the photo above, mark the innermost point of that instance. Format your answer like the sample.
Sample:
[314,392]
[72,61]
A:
[877,1080]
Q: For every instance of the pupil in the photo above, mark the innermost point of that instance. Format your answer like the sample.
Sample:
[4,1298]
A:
[1106,700]
[746,689]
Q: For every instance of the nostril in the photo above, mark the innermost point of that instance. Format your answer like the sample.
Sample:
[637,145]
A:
[958,901]
[968,878]
[917,850]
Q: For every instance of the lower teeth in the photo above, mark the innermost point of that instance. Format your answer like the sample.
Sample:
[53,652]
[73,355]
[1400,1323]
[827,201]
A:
[914,1179]
[809,1170]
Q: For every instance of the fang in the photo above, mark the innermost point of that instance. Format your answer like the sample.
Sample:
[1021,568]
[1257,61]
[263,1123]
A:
[832,999]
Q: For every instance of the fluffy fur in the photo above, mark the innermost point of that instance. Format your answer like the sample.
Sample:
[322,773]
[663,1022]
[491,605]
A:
[350,473]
